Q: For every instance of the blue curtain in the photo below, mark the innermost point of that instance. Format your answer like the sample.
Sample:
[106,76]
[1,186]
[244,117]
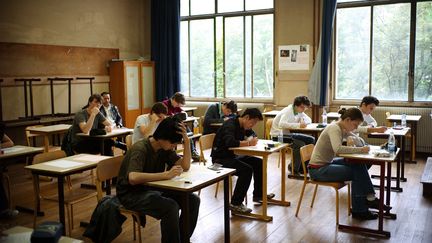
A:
[165,46]
[318,82]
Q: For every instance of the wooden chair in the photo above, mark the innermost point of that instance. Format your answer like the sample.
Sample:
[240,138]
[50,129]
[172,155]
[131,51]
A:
[267,136]
[205,143]
[31,136]
[128,141]
[106,170]
[71,197]
[305,154]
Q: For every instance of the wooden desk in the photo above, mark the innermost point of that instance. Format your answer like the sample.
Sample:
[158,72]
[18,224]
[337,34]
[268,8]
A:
[10,156]
[190,109]
[199,177]
[117,132]
[311,129]
[371,159]
[259,150]
[332,116]
[60,168]
[412,120]
[20,234]
[46,131]
[267,115]
[400,135]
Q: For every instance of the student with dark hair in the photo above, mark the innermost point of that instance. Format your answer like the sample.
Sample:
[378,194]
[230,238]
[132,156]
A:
[293,116]
[146,124]
[237,132]
[218,113]
[326,166]
[110,111]
[86,120]
[145,162]
[5,211]
[369,125]
[174,105]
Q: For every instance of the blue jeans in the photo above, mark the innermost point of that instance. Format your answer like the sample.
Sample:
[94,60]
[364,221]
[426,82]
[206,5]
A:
[299,140]
[339,170]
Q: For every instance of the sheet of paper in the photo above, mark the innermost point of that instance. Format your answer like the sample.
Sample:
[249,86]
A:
[89,158]
[64,163]
[12,150]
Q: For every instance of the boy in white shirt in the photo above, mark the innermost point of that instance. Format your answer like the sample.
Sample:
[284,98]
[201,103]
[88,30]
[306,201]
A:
[369,125]
[146,124]
[293,116]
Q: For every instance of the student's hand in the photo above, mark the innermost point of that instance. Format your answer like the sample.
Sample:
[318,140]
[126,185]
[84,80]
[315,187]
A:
[365,149]
[176,170]
[303,125]
[183,131]
[380,129]
[108,128]
[95,111]
[154,118]
[253,141]
[226,118]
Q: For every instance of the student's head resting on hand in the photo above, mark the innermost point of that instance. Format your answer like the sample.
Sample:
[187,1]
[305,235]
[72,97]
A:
[168,133]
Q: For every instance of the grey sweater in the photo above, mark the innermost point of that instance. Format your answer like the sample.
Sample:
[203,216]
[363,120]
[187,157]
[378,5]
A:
[329,144]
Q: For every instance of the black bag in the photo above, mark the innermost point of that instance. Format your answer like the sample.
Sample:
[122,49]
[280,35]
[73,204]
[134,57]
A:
[98,131]
[47,232]
[286,139]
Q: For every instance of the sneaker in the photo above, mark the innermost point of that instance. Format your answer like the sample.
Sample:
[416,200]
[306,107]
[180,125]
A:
[240,209]
[259,199]
[375,205]
[9,213]
[368,215]
[195,156]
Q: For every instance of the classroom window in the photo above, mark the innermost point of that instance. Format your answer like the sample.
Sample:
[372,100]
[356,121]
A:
[226,51]
[374,54]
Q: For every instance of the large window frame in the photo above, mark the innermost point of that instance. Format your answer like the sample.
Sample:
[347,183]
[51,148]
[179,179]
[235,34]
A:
[248,96]
[411,62]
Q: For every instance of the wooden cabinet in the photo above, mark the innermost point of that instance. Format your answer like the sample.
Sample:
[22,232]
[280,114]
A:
[132,88]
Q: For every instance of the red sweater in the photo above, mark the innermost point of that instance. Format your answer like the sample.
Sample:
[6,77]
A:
[171,109]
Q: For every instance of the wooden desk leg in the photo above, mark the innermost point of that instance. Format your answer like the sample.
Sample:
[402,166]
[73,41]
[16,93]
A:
[46,142]
[226,210]
[60,181]
[413,141]
[36,198]
[264,186]
[283,175]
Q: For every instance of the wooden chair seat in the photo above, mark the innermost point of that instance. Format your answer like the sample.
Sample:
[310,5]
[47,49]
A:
[337,185]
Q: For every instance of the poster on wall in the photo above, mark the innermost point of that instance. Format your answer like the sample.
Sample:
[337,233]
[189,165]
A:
[294,57]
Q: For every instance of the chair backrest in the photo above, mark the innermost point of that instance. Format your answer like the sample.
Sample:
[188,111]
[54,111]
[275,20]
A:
[40,158]
[106,170]
[305,155]
[206,142]
[30,135]
[128,141]
[201,124]
[268,127]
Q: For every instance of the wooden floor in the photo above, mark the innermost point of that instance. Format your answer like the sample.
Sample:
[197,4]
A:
[413,224]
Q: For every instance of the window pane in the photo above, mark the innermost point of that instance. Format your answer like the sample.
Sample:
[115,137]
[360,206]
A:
[248,66]
[234,57]
[391,51]
[184,8]
[352,53]
[230,5]
[263,55]
[202,7]
[202,58]
[423,53]
[258,4]
[184,58]
[219,58]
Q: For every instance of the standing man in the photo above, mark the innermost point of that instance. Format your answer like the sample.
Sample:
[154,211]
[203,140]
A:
[110,111]
[237,132]
[293,116]
[218,113]
[174,106]
[146,162]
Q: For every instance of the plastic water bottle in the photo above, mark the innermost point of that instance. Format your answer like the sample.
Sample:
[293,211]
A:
[280,136]
[391,143]
[195,127]
[324,117]
[403,120]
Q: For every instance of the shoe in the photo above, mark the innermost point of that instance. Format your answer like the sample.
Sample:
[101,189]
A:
[368,215]
[9,214]
[240,209]
[259,199]
[195,156]
[375,205]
